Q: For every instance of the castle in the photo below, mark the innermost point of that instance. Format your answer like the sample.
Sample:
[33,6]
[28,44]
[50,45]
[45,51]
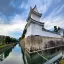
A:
[36,37]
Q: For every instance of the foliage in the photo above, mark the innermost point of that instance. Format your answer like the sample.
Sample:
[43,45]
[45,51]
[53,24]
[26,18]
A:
[13,40]
[24,32]
[62,61]
[7,39]
[2,39]
[19,38]
[2,46]
[55,29]
[58,28]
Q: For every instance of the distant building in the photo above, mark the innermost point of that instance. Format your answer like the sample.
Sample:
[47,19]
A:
[36,36]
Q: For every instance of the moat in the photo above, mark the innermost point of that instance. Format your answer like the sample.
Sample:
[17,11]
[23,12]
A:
[12,56]
[15,55]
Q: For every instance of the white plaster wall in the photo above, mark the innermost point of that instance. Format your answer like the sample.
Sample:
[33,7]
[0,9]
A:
[35,17]
[29,30]
[35,29]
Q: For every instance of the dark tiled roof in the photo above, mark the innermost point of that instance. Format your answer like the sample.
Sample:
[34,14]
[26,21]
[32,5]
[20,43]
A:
[34,21]
[39,23]
[61,29]
[37,13]
[50,31]
[34,7]
[32,11]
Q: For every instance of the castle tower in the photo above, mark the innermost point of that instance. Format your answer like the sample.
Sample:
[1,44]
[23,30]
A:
[33,28]
[33,22]
[34,14]
[35,35]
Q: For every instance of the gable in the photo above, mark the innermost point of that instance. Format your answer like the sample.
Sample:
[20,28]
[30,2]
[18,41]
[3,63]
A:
[35,9]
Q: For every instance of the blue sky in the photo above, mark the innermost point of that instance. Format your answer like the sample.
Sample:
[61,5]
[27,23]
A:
[13,14]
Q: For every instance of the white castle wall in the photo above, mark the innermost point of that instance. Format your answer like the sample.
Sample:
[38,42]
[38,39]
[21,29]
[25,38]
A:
[35,29]
[35,17]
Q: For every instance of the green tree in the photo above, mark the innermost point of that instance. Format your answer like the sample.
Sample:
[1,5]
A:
[58,28]
[24,32]
[55,29]
[7,39]
[13,40]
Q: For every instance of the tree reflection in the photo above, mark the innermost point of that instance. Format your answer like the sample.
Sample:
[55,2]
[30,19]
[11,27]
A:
[5,53]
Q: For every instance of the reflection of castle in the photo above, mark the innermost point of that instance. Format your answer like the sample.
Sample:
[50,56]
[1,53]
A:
[36,36]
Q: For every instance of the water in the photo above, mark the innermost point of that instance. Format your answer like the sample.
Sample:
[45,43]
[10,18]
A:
[15,55]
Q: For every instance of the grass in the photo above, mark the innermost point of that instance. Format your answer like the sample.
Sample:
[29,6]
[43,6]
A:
[2,46]
[62,62]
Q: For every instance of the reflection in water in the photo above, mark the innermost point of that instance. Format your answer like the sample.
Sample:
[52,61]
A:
[43,56]
[12,56]
[5,53]
[17,56]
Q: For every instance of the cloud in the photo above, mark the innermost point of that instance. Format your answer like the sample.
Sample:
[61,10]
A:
[53,15]
[9,8]
[51,22]
[17,24]
[13,14]
[54,6]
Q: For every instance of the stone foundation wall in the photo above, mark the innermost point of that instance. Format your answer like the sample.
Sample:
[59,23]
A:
[35,43]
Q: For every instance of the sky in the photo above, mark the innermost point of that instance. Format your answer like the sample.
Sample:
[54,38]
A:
[13,15]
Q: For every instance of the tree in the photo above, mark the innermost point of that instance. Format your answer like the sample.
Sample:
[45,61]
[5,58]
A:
[55,29]
[19,38]
[58,28]
[13,40]
[7,39]
[24,32]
